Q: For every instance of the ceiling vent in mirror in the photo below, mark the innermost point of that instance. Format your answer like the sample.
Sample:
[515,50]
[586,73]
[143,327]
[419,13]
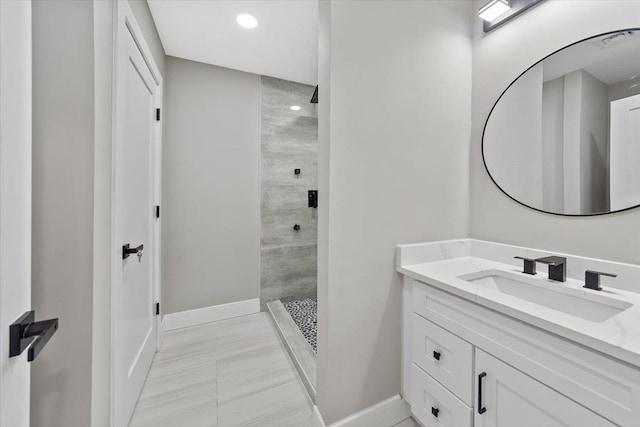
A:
[614,39]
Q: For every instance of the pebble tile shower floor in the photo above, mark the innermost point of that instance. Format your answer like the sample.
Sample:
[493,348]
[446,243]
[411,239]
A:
[305,314]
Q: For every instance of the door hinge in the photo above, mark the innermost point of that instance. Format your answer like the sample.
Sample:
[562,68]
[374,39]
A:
[157,114]
[157,211]
[157,309]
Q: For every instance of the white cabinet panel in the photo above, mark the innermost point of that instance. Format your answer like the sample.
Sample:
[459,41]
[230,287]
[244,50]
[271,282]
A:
[512,398]
[435,406]
[444,356]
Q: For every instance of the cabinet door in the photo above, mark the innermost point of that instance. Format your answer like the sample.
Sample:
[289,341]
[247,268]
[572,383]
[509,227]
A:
[505,397]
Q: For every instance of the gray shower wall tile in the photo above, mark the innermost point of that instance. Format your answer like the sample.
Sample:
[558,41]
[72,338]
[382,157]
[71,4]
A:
[278,170]
[298,127]
[288,273]
[289,140]
[290,198]
[280,233]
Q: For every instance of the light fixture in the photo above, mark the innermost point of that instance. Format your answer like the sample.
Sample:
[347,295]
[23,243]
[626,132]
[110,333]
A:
[490,11]
[499,12]
[295,107]
[247,21]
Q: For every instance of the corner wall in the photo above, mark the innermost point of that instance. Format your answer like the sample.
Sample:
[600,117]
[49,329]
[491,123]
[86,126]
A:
[498,58]
[394,122]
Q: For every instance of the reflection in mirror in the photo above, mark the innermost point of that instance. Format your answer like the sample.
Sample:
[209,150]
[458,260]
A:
[565,136]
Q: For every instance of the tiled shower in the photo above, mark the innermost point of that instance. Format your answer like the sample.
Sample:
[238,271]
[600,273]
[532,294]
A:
[289,142]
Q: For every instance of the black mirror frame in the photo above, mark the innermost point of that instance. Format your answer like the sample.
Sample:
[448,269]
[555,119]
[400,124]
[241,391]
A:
[484,129]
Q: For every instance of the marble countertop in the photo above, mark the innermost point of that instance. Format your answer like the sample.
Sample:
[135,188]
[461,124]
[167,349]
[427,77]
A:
[618,336]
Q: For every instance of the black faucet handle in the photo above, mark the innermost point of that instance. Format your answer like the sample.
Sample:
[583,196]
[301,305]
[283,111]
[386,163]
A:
[600,273]
[592,279]
[529,265]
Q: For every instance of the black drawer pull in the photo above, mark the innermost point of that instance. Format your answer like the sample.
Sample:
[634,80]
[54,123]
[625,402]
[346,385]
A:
[435,411]
[481,408]
[436,355]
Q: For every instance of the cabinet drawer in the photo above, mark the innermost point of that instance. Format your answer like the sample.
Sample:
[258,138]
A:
[435,406]
[444,356]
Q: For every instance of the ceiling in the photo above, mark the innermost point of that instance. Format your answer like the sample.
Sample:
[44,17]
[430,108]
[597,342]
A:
[283,45]
[610,65]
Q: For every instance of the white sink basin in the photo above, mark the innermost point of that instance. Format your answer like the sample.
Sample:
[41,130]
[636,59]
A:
[587,305]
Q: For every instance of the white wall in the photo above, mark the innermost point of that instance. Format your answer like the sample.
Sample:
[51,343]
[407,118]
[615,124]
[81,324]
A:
[514,151]
[211,186]
[393,169]
[571,142]
[552,145]
[498,58]
[594,144]
[62,239]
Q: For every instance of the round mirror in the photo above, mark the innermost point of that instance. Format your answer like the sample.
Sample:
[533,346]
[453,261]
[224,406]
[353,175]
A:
[564,137]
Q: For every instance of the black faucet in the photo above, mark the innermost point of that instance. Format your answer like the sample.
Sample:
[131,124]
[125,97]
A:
[557,267]
[592,279]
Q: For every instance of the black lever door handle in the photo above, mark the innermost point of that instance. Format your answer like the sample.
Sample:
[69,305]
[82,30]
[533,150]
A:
[128,250]
[436,355]
[481,408]
[23,330]
[44,330]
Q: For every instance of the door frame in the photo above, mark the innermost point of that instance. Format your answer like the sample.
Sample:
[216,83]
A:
[124,18]
[15,202]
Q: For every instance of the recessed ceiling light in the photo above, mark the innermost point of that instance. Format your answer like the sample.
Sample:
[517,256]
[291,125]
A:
[493,9]
[295,107]
[247,21]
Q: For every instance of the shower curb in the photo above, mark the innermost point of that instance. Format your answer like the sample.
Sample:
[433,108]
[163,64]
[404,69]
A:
[297,346]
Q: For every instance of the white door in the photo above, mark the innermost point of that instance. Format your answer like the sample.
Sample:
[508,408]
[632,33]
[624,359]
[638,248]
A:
[507,398]
[15,203]
[624,156]
[136,129]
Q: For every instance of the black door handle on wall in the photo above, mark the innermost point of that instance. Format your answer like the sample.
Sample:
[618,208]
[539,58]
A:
[128,250]
[481,408]
[25,329]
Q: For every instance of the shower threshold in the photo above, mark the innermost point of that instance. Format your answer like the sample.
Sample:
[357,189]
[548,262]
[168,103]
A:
[300,350]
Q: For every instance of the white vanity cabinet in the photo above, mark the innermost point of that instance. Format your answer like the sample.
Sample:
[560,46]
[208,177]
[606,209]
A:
[466,365]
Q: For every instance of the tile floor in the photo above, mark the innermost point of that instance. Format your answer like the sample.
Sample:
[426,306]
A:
[223,374]
[230,373]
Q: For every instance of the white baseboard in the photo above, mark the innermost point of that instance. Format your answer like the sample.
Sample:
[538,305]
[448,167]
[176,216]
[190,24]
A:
[319,419]
[387,413]
[162,331]
[184,319]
